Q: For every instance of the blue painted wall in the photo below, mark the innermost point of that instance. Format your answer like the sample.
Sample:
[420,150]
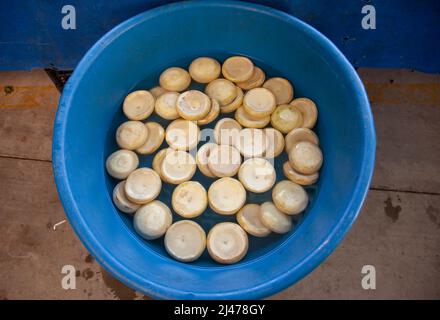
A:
[407,34]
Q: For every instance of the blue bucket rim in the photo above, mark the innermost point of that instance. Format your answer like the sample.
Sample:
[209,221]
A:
[155,290]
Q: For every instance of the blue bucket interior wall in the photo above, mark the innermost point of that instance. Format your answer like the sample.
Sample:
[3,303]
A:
[131,57]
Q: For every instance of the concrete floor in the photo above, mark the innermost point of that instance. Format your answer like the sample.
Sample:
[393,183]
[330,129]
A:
[398,230]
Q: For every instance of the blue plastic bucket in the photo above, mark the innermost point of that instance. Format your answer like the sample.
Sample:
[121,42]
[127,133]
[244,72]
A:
[131,56]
